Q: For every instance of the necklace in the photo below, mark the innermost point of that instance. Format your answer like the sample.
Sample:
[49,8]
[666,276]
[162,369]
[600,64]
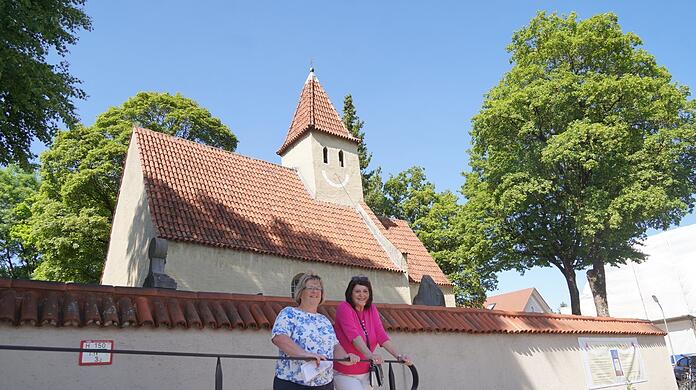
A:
[361,316]
[361,319]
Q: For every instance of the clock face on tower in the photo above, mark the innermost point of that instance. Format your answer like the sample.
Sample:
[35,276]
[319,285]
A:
[336,180]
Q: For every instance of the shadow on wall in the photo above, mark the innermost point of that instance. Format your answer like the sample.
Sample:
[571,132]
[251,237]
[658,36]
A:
[137,246]
[201,219]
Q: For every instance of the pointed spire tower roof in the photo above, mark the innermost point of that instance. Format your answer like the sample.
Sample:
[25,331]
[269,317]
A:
[314,112]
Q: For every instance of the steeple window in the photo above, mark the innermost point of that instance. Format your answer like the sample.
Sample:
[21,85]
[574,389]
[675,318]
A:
[340,157]
[326,155]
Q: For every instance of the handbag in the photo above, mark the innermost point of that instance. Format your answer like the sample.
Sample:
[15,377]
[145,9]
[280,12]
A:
[376,369]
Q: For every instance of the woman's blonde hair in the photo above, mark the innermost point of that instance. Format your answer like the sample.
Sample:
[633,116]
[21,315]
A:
[302,285]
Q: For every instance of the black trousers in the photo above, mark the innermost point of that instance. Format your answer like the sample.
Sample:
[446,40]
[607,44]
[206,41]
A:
[282,384]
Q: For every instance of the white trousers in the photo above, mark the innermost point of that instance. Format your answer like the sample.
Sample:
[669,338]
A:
[352,382]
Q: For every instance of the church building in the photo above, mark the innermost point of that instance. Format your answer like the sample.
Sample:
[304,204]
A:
[225,222]
[204,248]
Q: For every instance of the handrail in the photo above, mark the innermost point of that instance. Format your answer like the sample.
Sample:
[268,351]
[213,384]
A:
[218,368]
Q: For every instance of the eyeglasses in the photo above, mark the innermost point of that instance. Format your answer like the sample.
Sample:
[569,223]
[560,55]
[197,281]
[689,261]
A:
[314,288]
[359,279]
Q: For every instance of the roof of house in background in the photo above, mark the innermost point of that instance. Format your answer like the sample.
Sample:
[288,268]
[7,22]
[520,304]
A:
[33,303]
[314,112]
[513,301]
[204,195]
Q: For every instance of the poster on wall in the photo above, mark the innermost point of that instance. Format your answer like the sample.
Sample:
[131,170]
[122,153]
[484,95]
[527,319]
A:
[611,361]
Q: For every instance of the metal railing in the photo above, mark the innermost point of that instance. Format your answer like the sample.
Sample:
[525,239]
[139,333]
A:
[218,356]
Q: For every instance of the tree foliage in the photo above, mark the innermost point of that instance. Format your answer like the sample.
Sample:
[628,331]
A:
[17,258]
[583,145]
[371,179]
[81,172]
[354,126]
[34,94]
[437,220]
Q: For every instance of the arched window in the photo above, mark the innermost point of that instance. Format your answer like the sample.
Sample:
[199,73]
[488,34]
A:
[340,157]
[293,284]
[326,155]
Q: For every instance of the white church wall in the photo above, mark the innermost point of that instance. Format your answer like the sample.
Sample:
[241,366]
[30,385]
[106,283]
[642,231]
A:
[336,184]
[299,157]
[127,261]
[201,268]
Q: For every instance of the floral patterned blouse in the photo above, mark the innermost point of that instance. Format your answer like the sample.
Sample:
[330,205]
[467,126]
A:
[314,333]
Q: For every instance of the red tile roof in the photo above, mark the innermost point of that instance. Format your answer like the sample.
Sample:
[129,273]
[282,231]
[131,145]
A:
[512,301]
[33,303]
[205,195]
[417,257]
[314,112]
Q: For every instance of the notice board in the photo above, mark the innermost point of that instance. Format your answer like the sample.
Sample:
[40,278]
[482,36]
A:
[611,361]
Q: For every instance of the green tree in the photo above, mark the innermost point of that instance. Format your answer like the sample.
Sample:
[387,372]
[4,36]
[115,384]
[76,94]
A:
[583,145]
[409,195]
[81,173]
[17,259]
[371,179]
[373,193]
[437,220]
[354,126]
[35,96]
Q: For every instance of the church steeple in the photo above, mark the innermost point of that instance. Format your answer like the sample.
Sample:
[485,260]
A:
[322,150]
[314,112]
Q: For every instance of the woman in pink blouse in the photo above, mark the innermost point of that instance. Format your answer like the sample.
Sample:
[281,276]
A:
[359,330]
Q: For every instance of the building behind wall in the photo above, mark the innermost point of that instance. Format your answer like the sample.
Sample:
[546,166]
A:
[225,222]
[527,300]
[669,274]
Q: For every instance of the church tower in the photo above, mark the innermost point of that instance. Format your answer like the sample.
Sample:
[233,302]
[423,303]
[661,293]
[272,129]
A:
[321,149]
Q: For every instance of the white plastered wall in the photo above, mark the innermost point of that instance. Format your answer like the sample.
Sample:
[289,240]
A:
[682,333]
[203,268]
[299,157]
[444,360]
[536,304]
[327,182]
[127,261]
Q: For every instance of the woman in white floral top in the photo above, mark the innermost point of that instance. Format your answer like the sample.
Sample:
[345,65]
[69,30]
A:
[302,332]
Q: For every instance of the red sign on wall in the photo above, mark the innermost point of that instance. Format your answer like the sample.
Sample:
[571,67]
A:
[96,358]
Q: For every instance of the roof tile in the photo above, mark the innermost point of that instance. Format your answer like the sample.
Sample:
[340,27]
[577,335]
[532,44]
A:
[136,307]
[207,196]
[512,301]
[419,261]
[314,112]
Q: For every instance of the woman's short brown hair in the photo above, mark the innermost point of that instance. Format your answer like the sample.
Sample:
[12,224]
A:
[302,285]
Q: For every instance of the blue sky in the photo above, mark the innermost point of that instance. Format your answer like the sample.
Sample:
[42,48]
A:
[417,70]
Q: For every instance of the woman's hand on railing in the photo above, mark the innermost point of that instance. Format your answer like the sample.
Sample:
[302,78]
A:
[405,359]
[376,358]
[352,359]
[313,356]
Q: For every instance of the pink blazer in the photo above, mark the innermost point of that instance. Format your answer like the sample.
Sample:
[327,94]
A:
[348,327]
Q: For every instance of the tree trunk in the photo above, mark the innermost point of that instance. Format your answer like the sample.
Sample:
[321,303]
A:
[598,284]
[569,274]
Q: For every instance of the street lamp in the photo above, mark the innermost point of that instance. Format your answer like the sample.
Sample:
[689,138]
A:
[671,352]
